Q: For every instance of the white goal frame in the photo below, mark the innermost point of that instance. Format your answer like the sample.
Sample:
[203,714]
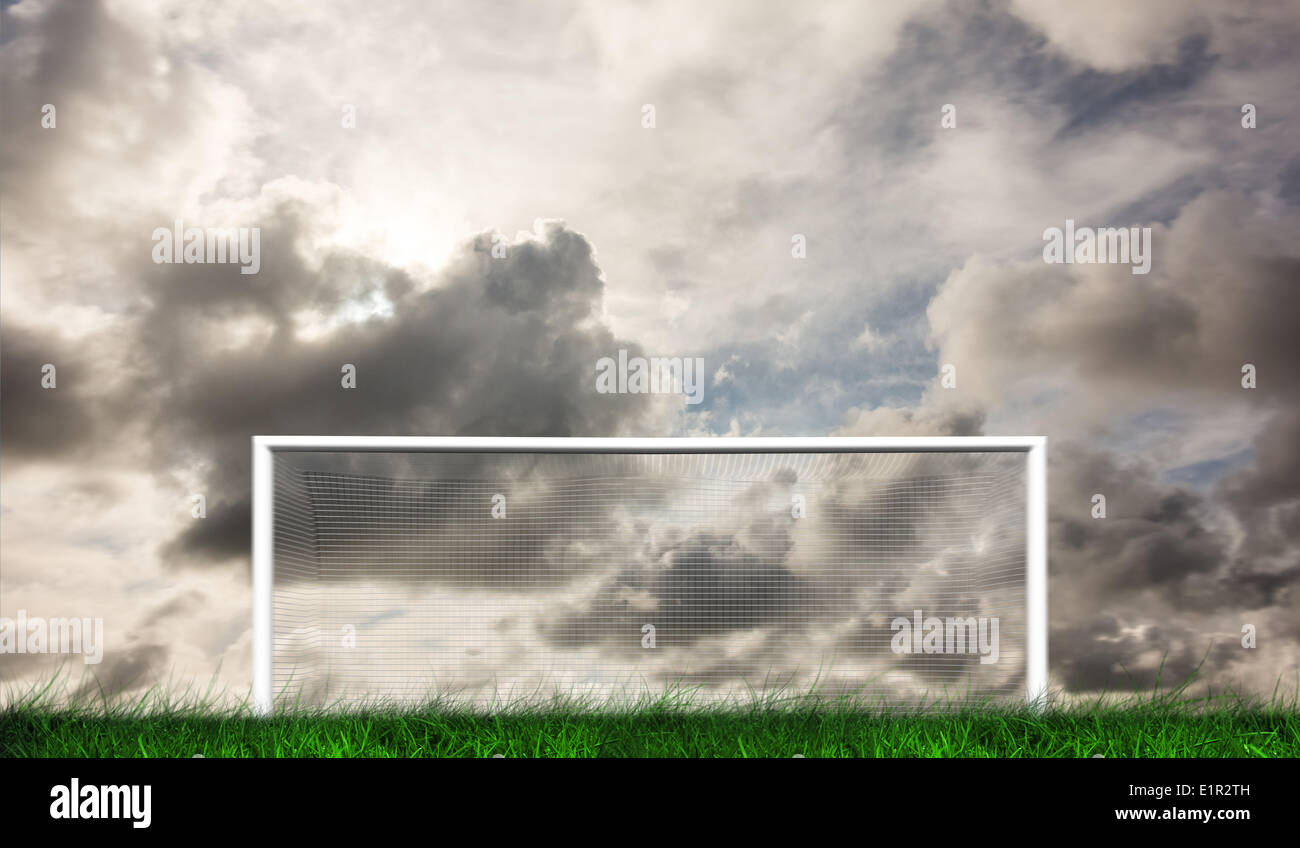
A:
[1034,447]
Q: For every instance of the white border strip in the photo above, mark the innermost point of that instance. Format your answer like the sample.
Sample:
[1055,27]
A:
[264,447]
[1036,681]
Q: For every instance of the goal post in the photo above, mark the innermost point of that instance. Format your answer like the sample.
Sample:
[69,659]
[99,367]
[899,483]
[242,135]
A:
[400,567]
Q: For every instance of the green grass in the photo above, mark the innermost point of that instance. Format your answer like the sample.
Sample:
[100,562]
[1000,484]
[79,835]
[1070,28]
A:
[1158,724]
[651,733]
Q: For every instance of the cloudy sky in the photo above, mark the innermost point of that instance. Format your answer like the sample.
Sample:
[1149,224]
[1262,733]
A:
[384,150]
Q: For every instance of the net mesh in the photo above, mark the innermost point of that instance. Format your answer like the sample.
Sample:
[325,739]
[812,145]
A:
[506,579]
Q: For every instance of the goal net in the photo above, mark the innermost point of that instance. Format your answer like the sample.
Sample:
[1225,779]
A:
[503,573]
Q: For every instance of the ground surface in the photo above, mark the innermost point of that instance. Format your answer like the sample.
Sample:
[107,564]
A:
[1141,731]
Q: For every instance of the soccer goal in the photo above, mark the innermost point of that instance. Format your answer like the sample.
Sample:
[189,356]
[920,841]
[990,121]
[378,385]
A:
[499,572]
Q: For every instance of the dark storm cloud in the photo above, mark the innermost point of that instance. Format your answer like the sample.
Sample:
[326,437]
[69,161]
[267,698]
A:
[223,533]
[1289,184]
[1158,561]
[1153,537]
[125,670]
[496,347]
[1164,557]
[36,421]
[1101,655]
[1266,501]
[1273,480]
